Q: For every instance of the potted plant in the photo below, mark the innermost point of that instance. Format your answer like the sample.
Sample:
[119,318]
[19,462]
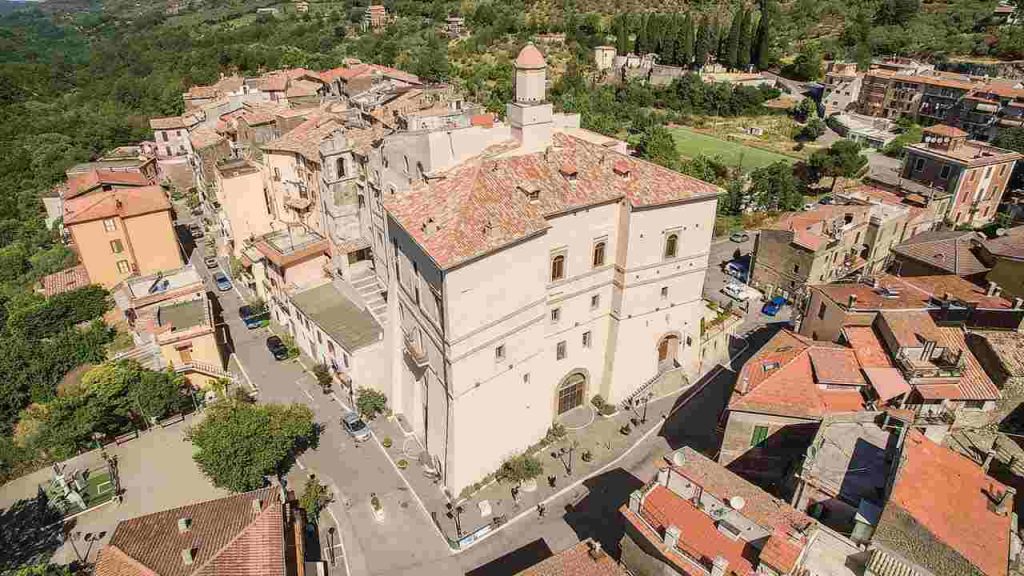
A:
[586,456]
[625,430]
[386,442]
[402,464]
[522,470]
[323,377]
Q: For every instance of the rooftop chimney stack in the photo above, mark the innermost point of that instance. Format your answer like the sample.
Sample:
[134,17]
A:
[991,288]
[257,506]
[184,524]
[719,566]
[188,556]
[852,302]
[595,550]
[1018,303]
[672,538]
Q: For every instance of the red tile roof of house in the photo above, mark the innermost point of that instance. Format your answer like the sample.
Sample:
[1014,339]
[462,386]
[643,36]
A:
[759,506]
[809,228]
[478,206]
[867,346]
[940,514]
[1010,245]
[204,137]
[945,131]
[781,379]
[909,328]
[347,73]
[576,561]
[974,383]
[949,250]
[64,281]
[126,203]
[81,182]
[781,552]
[240,535]
[913,292]
[699,538]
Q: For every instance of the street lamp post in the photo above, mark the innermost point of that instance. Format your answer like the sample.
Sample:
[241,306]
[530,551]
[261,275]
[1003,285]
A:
[330,544]
[647,398]
[455,513]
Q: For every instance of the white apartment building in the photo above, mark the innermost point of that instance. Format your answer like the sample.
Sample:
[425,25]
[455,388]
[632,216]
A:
[525,280]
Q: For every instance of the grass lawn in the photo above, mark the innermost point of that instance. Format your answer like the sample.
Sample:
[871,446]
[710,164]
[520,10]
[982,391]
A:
[692,144]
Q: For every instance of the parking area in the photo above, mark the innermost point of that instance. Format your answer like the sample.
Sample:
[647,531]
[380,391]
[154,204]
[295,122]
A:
[738,251]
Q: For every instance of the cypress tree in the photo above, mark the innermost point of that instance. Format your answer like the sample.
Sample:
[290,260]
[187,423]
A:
[643,41]
[684,53]
[703,44]
[760,54]
[621,34]
[746,31]
[732,42]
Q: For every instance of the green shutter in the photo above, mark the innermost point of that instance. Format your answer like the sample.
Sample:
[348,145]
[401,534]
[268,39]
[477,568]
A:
[760,433]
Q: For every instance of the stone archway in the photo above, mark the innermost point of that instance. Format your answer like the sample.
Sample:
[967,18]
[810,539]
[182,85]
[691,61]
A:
[668,351]
[571,392]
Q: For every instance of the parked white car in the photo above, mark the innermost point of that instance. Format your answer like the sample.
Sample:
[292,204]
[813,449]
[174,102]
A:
[740,291]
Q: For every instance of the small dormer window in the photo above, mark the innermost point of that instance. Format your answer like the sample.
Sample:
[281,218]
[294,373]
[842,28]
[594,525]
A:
[531,191]
[621,168]
[568,170]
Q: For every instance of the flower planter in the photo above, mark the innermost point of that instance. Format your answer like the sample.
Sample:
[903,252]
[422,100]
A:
[529,485]
[377,508]
[402,464]
[611,414]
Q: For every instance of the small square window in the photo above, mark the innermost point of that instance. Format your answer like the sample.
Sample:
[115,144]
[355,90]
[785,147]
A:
[595,301]
[758,437]
[586,339]
[918,164]
[110,225]
[556,315]
[796,268]
[116,246]
[944,173]
[664,292]
[499,353]
[560,350]
[821,312]
[123,267]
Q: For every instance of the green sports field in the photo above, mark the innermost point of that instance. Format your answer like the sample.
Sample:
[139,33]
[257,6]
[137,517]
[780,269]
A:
[692,144]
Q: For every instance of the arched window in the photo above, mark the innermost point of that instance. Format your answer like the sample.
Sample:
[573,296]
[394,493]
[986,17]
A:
[671,245]
[341,167]
[598,254]
[558,267]
[570,392]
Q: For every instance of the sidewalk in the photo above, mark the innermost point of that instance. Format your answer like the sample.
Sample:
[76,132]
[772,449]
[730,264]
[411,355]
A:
[492,505]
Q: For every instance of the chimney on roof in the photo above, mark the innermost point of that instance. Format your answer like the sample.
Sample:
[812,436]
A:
[1018,303]
[671,536]
[257,506]
[997,291]
[875,283]
[621,168]
[636,498]
[852,301]
[184,524]
[719,566]
[188,556]
[989,456]
[991,288]
[595,550]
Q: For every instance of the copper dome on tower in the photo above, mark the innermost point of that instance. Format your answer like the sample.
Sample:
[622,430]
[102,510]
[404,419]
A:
[530,58]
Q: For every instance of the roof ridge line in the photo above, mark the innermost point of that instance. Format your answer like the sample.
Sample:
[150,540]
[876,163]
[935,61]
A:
[130,559]
[241,532]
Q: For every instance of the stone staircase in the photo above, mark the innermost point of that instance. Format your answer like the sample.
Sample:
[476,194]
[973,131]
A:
[366,284]
[147,354]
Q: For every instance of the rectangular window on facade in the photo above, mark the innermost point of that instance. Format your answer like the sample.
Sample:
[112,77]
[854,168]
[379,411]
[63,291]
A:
[586,339]
[277,175]
[821,311]
[526,378]
[499,353]
[556,315]
[557,267]
[918,164]
[595,301]
[163,136]
[110,225]
[116,246]
[664,292]
[944,173]
[123,267]
[988,172]
[796,268]
[560,350]
[1002,169]
[758,437]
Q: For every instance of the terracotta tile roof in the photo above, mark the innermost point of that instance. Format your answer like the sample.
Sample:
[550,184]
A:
[909,293]
[759,506]
[1010,245]
[305,138]
[781,552]
[126,202]
[809,227]
[349,72]
[477,207]
[272,82]
[910,328]
[888,383]
[203,137]
[867,347]
[975,383]
[81,182]
[1009,347]
[229,83]
[780,379]
[173,122]
[970,153]
[300,88]
[950,250]
[240,535]
[576,561]
[64,281]
[836,366]
[946,131]
[940,515]
[203,92]
[698,536]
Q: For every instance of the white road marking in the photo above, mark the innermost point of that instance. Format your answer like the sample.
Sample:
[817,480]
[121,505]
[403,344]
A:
[341,541]
[244,373]
[300,464]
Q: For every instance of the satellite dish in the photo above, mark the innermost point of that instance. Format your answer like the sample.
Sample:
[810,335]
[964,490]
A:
[678,458]
[737,502]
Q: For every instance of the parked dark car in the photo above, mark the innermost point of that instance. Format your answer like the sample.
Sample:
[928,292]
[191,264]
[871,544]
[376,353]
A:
[772,307]
[277,348]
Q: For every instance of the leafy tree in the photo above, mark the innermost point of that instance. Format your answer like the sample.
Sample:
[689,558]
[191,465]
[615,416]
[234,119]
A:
[707,169]
[238,446]
[56,314]
[732,41]
[811,131]
[807,65]
[315,497]
[762,39]
[730,202]
[897,12]
[44,570]
[658,146]
[431,62]
[370,402]
[842,159]
[684,53]
[158,394]
[774,187]
[520,468]
[746,39]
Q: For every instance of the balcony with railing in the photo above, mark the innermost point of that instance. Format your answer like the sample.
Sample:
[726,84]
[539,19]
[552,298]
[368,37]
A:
[203,368]
[945,365]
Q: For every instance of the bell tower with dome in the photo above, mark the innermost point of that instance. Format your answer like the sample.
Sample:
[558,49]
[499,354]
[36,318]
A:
[530,115]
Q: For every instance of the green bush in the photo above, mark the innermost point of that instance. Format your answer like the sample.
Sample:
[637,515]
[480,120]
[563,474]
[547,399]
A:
[598,401]
[370,403]
[315,497]
[323,375]
[520,468]
[60,312]
[555,433]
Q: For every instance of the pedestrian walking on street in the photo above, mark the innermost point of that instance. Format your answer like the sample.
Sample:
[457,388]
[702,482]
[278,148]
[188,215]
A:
[540,510]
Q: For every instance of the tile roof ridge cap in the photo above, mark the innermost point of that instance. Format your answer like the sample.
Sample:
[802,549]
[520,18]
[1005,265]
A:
[99,198]
[125,557]
[263,510]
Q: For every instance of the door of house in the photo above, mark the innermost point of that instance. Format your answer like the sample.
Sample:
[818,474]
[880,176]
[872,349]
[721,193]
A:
[570,393]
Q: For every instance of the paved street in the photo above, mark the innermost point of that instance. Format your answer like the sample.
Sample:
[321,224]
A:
[722,252]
